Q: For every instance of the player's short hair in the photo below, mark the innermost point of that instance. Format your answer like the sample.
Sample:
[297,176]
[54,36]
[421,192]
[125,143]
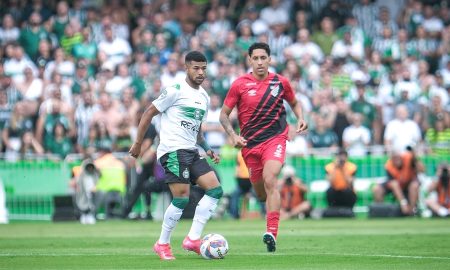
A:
[259,45]
[195,56]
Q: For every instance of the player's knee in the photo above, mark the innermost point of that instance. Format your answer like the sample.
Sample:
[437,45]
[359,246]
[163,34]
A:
[180,202]
[216,192]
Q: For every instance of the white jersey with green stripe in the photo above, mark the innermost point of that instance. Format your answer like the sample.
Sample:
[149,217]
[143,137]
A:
[182,109]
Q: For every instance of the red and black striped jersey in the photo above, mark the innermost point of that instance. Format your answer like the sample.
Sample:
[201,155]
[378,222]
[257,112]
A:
[261,112]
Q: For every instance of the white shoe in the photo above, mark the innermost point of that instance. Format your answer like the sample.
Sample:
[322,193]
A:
[83,219]
[90,219]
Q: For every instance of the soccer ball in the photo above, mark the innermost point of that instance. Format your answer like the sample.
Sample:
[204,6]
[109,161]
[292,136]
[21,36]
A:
[214,246]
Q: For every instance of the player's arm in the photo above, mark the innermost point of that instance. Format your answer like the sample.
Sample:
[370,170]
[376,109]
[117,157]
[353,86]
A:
[146,119]
[297,109]
[224,118]
[203,144]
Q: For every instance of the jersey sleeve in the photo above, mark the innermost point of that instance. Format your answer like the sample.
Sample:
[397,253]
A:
[233,95]
[208,102]
[289,94]
[166,99]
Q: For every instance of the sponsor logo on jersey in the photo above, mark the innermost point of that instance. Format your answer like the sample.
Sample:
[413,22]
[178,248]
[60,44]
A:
[186,173]
[190,126]
[278,151]
[250,84]
[252,93]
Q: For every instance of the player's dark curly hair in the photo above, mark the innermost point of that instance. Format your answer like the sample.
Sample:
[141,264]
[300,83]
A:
[259,45]
[195,56]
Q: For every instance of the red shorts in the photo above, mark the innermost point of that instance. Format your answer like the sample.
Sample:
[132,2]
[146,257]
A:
[256,157]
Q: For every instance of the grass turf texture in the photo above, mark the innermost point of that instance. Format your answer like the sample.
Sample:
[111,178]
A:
[310,244]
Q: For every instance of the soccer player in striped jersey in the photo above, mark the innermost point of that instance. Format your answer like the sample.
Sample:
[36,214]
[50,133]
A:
[259,98]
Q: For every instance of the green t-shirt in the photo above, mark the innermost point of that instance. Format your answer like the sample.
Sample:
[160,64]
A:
[29,40]
[366,109]
[62,147]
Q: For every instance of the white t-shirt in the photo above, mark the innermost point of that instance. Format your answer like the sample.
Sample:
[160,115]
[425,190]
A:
[402,134]
[357,139]
[182,109]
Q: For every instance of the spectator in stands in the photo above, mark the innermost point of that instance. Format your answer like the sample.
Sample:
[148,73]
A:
[31,34]
[116,86]
[297,144]
[402,182]
[356,138]
[366,12]
[13,95]
[117,50]
[321,136]
[87,49]
[29,146]
[61,64]
[109,113]
[347,49]
[12,132]
[341,175]
[304,45]
[401,131]
[293,195]
[8,31]
[70,38]
[16,64]
[83,116]
[438,138]
[31,89]
[325,37]
[5,113]
[439,203]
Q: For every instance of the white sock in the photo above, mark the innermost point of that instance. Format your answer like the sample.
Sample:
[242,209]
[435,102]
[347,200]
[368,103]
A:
[203,213]
[171,218]
[443,212]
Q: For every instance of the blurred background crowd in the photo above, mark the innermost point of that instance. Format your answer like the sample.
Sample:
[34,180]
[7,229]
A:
[75,74]
[371,75]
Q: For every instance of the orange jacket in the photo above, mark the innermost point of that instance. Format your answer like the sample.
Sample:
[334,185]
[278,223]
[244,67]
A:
[241,167]
[403,175]
[443,195]
[291,196]
[339,182]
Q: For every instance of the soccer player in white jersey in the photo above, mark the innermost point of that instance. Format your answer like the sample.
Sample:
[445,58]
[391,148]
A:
[183,108]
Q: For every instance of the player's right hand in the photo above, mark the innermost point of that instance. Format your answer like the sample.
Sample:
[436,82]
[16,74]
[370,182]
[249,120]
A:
[238,141]
[135,150]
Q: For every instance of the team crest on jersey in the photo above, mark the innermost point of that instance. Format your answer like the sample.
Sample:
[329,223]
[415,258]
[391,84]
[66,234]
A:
[275,89]
[252,93]
[198,115]
[186,173]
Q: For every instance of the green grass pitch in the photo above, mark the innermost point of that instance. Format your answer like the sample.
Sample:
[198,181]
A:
[310,244]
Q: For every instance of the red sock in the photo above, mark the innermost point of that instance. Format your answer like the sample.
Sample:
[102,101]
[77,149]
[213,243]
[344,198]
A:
[272,220]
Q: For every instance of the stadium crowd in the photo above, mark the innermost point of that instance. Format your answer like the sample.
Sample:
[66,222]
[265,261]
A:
[76,75]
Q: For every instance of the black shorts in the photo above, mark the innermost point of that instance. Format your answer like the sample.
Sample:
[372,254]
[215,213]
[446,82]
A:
[184,166]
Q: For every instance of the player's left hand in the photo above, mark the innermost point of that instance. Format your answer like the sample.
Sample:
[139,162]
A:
[301,126]
[214,157]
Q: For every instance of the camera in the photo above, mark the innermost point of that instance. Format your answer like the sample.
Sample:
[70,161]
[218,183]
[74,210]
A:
[90,168]
[444,177]
[289,181]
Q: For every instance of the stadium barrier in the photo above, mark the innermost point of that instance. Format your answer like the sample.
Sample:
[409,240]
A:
[30,185]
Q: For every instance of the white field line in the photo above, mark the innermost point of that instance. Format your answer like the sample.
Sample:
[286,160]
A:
[38,254]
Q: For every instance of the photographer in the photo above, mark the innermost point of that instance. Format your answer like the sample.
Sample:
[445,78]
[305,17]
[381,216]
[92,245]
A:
[85,181]
[401,170]
[440,202]
[292,191]
[341,174]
